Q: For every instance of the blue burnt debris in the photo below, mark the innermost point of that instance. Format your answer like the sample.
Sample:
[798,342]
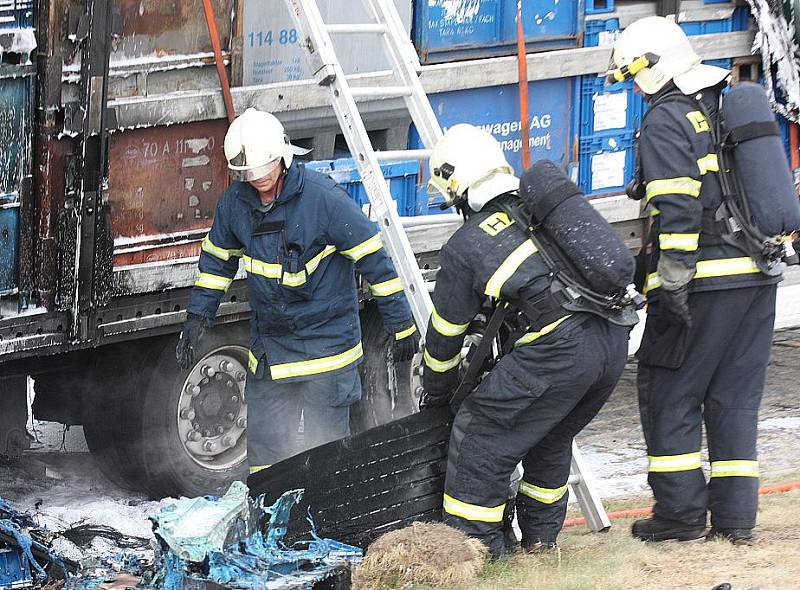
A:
[231,542]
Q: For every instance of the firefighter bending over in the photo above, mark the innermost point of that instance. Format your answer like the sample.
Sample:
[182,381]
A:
[301,238]
[558,373]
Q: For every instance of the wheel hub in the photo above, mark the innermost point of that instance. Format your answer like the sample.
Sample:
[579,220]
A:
[212,410]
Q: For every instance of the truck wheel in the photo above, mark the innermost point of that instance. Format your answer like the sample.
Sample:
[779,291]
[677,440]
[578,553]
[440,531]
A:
[194,421]
[387,392]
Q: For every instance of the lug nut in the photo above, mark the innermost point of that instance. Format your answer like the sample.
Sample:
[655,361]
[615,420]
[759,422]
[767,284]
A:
[192,389]
[234,398]
[208,446]
[241,376]
[231,384]
[226,366]
[227,442]
[187,414]
[241,423]
[193,436]
[208,371]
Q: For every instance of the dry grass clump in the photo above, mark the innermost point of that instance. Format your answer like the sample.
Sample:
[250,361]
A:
[432,554]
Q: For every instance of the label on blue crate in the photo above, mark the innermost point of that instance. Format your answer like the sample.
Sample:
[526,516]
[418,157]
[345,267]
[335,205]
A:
[496,109]
[610,111]
[272,51]
[608,170]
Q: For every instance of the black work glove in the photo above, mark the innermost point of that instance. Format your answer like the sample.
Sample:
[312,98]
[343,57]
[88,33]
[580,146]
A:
[434,400]
[189,340]
[675,306]
[403,350]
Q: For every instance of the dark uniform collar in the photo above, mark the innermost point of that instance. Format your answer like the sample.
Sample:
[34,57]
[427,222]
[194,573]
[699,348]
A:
[292,187]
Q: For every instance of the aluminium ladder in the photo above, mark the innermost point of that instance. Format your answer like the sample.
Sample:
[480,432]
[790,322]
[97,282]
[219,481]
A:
[405,66]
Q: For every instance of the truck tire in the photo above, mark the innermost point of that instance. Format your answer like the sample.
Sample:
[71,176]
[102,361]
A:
[194,421]
[386,386]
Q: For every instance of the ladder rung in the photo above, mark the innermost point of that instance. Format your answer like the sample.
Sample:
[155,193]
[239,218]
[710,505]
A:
[387,155]
[381,92]
[356,29]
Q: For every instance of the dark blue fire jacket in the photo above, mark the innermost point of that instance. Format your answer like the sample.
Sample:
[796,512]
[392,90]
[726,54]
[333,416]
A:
[300,257]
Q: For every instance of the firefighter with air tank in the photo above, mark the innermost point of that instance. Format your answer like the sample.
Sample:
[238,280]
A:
[711,171]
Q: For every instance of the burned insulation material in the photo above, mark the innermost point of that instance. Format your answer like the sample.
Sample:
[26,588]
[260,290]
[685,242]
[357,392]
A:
[234,542]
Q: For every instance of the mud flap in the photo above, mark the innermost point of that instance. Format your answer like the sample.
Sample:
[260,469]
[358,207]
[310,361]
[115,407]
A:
[362,486]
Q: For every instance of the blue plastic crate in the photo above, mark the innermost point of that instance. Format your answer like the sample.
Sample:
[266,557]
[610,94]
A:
[608,109]
[606,163]
[717,1]
[601,33]
[599,6]
[445,31]
[402,177]
[16,14]
[15,571]
[739,20]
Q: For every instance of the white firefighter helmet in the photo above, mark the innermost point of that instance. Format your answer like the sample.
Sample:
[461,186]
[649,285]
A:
[655,50]
[469,160]
[254,145]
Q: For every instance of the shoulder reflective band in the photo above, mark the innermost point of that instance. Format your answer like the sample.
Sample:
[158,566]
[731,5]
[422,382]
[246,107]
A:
[222,253]
[682,185]
[405,333]
[252,362]
[365,248]
[684,242]
[531,336]
[386,288]
[210,281]
[734,469]
[698,121]
[312,264]
[670,463]
[629,71]
[707,269]
[473,511]
[257,468]
[316,366]
[509,267]
[543,495]
[441,366]
[708,163]
[265,269]
[446,328]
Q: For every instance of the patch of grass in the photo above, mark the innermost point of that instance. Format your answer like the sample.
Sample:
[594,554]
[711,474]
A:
[614,560]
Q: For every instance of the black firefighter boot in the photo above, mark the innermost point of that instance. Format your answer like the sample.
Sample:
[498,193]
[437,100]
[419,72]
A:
[735,536]
[656,529]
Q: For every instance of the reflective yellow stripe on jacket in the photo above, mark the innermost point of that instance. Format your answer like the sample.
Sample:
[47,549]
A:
[706,269]
[210,281]
[272,270]
[673,463]
[446,328]
[365,248]
[531,336]
[222,253]
[509,266]
[734,469]
[405,333]
[682,185]
[252,362]
[438,366]
[708,163]
[318,365]
[387,288]
[543,495]
[473,511]
[684,242]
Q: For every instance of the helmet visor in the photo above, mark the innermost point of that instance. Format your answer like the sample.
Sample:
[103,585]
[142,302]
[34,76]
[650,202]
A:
[254,173]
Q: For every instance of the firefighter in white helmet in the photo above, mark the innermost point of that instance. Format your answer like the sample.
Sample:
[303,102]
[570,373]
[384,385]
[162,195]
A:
[559,369]
[707,339]
[301,239]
